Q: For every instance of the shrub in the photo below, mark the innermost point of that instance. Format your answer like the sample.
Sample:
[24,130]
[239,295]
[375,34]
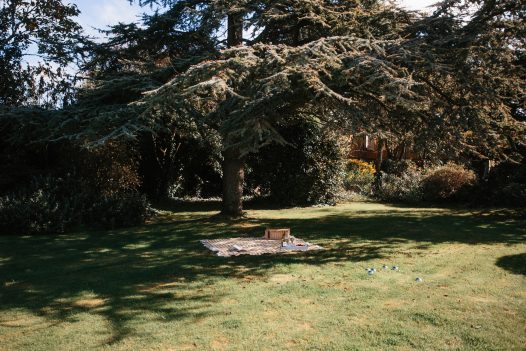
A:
[55,205]
[513,194]
[406,186]
[43,207]
[403,181]
[506,185]
[181,167]
[118,210]
[106,170]
[399,167]
[20,214]
[359,176]
[448,182]
[308,171]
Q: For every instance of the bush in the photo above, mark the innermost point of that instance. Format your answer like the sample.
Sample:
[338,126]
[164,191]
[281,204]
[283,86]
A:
[448,183]
[117,211]
[72,183]
[398,167]
[180,167]
[403,186]
[44,207]
[107,170]
[506,185]
[403,181]
[513,194]
[55,205]
[28,214]
[309,171]
[359,177]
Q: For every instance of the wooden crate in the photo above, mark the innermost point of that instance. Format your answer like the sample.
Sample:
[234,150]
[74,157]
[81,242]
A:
[276,234]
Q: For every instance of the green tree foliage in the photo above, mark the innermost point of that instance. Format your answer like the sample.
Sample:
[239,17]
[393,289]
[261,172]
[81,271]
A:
[450,83]
[307,170]
[474,69]
[38,39]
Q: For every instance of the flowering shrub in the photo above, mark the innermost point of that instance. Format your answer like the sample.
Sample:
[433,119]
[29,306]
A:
[359,176]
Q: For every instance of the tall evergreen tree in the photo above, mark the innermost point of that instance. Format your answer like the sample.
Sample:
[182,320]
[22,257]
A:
[451,82]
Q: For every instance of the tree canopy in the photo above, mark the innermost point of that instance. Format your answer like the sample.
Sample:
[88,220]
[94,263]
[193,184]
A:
[454,78]
[452,82]
[38,40]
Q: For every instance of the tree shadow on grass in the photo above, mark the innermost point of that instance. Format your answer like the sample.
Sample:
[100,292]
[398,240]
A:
[515,264]
[163,268]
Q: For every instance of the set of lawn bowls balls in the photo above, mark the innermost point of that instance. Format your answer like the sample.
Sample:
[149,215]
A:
[372,271]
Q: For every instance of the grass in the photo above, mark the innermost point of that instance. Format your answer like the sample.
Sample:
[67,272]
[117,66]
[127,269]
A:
[156,288]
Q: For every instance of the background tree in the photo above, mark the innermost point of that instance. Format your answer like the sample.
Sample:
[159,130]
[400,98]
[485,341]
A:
[474,69]
[136,59]
[38,40]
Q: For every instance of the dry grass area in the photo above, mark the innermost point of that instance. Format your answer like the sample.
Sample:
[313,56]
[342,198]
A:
[156,287]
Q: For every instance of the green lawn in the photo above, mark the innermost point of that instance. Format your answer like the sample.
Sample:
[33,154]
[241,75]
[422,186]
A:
[156,288]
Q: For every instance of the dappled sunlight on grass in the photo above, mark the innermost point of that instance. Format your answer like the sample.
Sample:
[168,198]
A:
[145,287]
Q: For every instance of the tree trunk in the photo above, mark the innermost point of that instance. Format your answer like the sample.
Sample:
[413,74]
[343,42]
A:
[233,163]
[380,156]
[233,178]
[235,29]
[378,164]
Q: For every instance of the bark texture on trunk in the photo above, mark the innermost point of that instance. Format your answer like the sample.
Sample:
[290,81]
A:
[233,178]
[235,29]
[380,157]
[378,164]
[233,163]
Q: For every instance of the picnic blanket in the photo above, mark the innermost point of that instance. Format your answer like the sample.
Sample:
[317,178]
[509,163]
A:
[254,246]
